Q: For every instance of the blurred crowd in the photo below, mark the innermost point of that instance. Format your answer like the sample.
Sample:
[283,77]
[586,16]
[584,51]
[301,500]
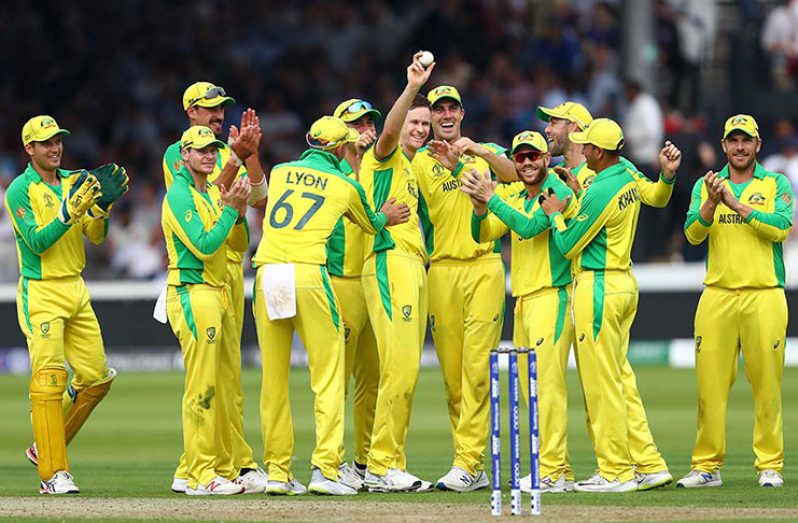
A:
[114,74]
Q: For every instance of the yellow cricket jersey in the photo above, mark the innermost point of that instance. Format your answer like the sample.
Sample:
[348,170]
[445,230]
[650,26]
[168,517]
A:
[654,194]
[445,211]
[382,180]
[600,236]
[46,247]
[347,244]
[536,261]
[307,197]
[745,253]
[199,230]
[173,163]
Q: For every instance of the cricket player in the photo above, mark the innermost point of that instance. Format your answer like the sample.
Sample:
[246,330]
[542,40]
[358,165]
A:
[51,210]
[651,471]
[465,282]
[345,255]
[200,223]
[541,284]
[395,289]
[293,293]
[746,213]
[204,104]
[599,240]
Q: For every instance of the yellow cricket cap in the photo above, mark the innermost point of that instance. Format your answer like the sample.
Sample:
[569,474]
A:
[444,91]
[741,122]
[205,94]
[603,133]
[531,138]
[571,111]
[198,137]
[354,108]
[328,132]
[41,128]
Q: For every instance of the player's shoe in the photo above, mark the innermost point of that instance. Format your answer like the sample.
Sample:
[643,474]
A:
[285,488]
[179,485]
[328,487]
[359,469]
[32,453]
[459,480]
[254,480]
[424,486]
[700,479]
[547,484]
[599,484]
[218,486]
[349,477]
[770,478]
[653,480]
[392,481]
[62,482]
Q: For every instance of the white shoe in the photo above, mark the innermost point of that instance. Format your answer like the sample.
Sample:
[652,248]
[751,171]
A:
[32,453]
[61,483]
[359,469]
[392,481]
[349,477]
[285,488]
[179,485]
[547,484]
[218,486]
[459,480]
[254,481]
[424,486]
[328,487]
[600,484]
[770,478]
[700,479]
[653,480]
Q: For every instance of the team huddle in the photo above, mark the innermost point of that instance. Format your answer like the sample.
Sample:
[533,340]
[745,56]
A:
[369,237]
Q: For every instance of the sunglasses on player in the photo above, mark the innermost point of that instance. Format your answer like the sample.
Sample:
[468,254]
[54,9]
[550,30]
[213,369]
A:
[210,94]
[356,107]
[532,156]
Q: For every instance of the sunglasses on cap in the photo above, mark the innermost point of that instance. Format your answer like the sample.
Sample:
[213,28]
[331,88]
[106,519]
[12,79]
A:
[532,156]
[356,107]
[210,94]
[321,144]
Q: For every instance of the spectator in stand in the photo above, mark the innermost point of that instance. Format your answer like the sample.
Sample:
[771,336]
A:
[780,40]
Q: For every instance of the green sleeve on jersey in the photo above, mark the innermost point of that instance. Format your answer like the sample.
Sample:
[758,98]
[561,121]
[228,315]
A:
[654,194]
[573,238]
[37,239]
[203,244]
[362,215]
[775,226]
[695,228]
[524,226]
[487,228]
[335,249]
[382,186]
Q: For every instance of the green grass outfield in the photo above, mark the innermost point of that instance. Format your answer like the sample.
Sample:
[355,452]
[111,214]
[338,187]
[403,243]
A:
[130,445]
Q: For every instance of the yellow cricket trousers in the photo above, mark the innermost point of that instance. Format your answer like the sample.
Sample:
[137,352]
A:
[543,323]
[466,316]
[201,315]
[59,324]
[230,372]
[320,329]
[395,287]
[727,321]
[362,361]
[604,305]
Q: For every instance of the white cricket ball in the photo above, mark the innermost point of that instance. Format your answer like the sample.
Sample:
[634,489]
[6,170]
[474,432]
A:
[426,59]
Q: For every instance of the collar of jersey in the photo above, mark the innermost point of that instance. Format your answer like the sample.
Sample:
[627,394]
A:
[322,159]
[614,170]
[759,171]
[30,172]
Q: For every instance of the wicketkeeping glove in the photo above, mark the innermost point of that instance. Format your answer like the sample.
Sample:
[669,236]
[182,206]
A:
[113,183]
[84,193]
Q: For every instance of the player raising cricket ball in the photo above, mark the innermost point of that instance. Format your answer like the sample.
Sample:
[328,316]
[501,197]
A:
[51,210]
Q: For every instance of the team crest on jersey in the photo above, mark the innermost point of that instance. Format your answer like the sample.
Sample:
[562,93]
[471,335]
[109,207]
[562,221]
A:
[787,199]
[45,328]
[188,215]
[48,201]
[698,340]
[756,199]
[407,310]
[20,212]
[211,332]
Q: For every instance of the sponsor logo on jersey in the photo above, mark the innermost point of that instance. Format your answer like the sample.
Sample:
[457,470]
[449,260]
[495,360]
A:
[539,342]
[582,337]
[588,181]
[188,215]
